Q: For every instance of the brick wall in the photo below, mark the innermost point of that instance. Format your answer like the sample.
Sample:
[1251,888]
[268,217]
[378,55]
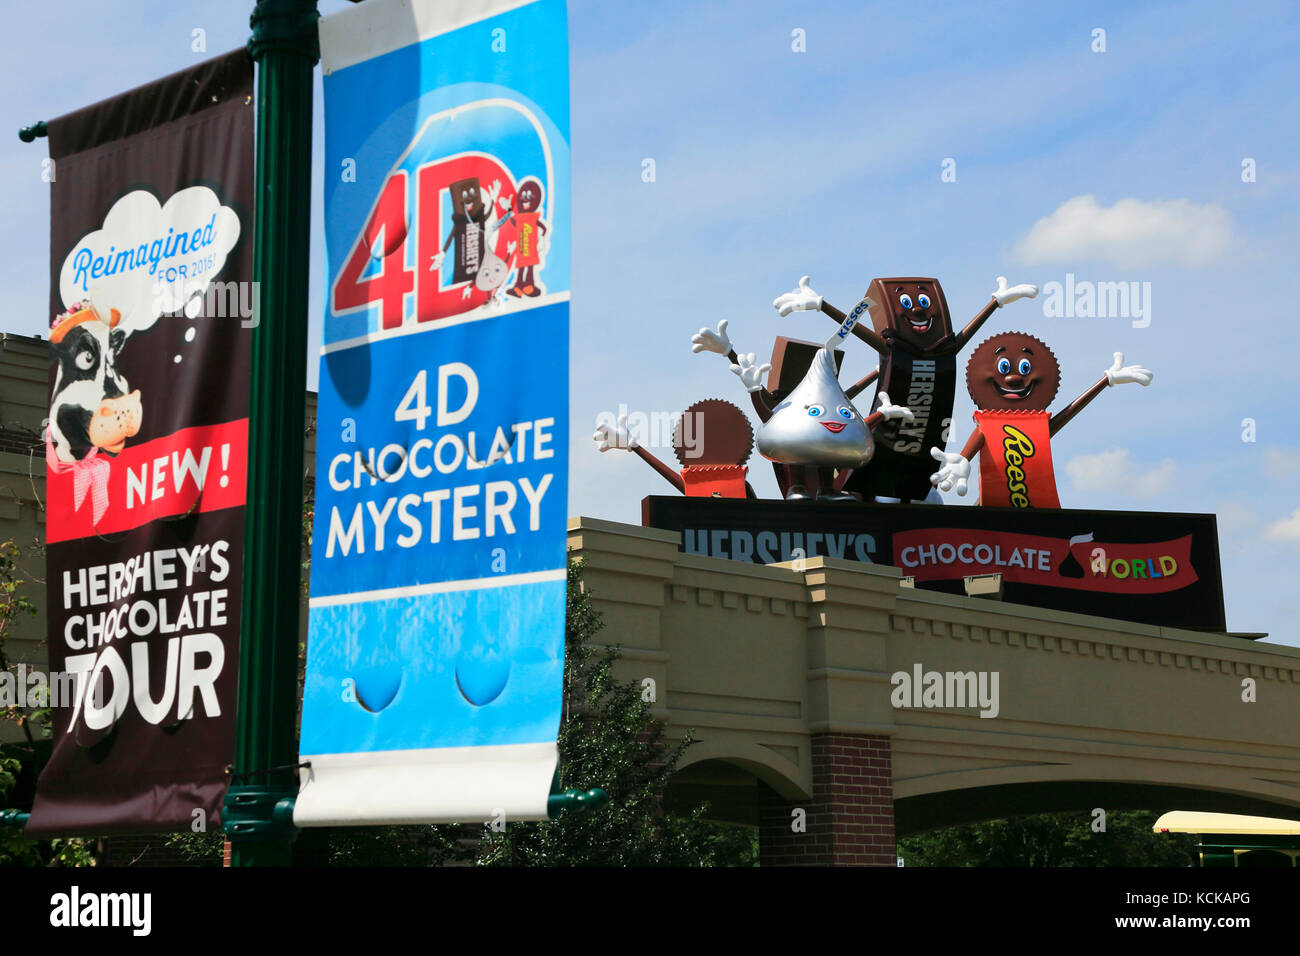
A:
[849,820]
[149,849]
[21,441]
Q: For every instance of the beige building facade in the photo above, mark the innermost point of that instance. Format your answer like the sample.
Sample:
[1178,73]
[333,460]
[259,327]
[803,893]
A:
[24,396]
[789,678]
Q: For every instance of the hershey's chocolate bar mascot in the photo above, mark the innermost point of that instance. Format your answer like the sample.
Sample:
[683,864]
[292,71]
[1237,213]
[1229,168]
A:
[918,366]
[470,230]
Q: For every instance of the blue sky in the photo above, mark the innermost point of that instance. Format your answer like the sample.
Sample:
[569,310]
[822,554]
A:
[771,163]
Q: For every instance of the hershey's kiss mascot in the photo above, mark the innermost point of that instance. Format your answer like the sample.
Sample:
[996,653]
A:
[815,427]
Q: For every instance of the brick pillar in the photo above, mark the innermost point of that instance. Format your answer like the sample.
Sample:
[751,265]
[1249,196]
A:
[850,819]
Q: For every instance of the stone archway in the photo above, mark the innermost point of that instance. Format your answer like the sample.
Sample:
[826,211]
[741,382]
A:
[730,782]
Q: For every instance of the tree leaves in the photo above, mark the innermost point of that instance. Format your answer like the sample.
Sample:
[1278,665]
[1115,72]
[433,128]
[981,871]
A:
[1051,839]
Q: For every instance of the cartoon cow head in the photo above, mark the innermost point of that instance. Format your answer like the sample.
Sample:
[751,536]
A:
[91,407]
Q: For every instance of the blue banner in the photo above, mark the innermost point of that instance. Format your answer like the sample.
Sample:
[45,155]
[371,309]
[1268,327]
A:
[436,641]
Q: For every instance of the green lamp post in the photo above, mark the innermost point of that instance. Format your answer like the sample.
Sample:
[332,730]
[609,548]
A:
[258,808]
[258,813]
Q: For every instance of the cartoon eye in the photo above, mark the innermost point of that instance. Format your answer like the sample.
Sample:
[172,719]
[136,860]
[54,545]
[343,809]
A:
[85,360]
[1004,365]
[905,301]
[924,300]
[1024,366]
[845,412]
[815,411]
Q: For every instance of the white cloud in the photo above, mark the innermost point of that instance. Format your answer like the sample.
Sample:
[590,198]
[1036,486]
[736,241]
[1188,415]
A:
[1114,470]
[1235,518]
[143,241]
[1129,233]
[1284,529]
[1280,464]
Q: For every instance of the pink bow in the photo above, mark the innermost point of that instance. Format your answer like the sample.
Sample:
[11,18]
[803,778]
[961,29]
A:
[88,474]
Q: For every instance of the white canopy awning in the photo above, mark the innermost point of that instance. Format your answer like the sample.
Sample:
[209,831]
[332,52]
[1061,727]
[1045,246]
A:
[1190,821]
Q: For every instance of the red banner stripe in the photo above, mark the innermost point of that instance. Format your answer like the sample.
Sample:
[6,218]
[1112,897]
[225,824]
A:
[939,554]
[202,468]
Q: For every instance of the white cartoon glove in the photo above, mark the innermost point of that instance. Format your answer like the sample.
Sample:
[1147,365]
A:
[1004,294]
[706,340]
[616,437]
[493,192]
[751,375]
[1121,374]
[436,263]
[802,299]
[952,473]
[892,411]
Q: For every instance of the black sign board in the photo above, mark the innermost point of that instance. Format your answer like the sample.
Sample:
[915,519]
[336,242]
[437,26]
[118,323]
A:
[1154,568]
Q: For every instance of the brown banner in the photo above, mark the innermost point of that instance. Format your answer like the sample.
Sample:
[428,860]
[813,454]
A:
[151,309]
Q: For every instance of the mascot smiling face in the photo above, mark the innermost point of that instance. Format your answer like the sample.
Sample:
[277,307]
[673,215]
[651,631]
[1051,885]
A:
[1013,371]
[816,424]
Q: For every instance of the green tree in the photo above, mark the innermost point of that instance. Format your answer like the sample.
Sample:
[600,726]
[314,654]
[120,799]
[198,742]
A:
[610,739]
[14,603]
[1051,839]
[15,848]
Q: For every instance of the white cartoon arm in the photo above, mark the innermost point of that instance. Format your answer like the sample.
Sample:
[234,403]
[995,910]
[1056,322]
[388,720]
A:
[1004,294]
[750,374]
[802,299]
[615,437]
[707,340]
[1121,374]
[889,411]
[953,472]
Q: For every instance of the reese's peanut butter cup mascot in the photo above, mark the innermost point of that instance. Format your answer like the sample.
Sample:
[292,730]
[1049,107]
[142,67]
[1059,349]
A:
[530,227]
[1012,378]
[918,363]
[712,441]
[815,429]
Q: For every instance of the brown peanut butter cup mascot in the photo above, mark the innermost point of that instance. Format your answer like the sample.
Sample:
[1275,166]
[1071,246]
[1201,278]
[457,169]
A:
[1012,378]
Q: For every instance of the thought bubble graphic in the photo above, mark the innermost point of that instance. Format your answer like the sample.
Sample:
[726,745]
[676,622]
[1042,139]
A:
[149,260]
